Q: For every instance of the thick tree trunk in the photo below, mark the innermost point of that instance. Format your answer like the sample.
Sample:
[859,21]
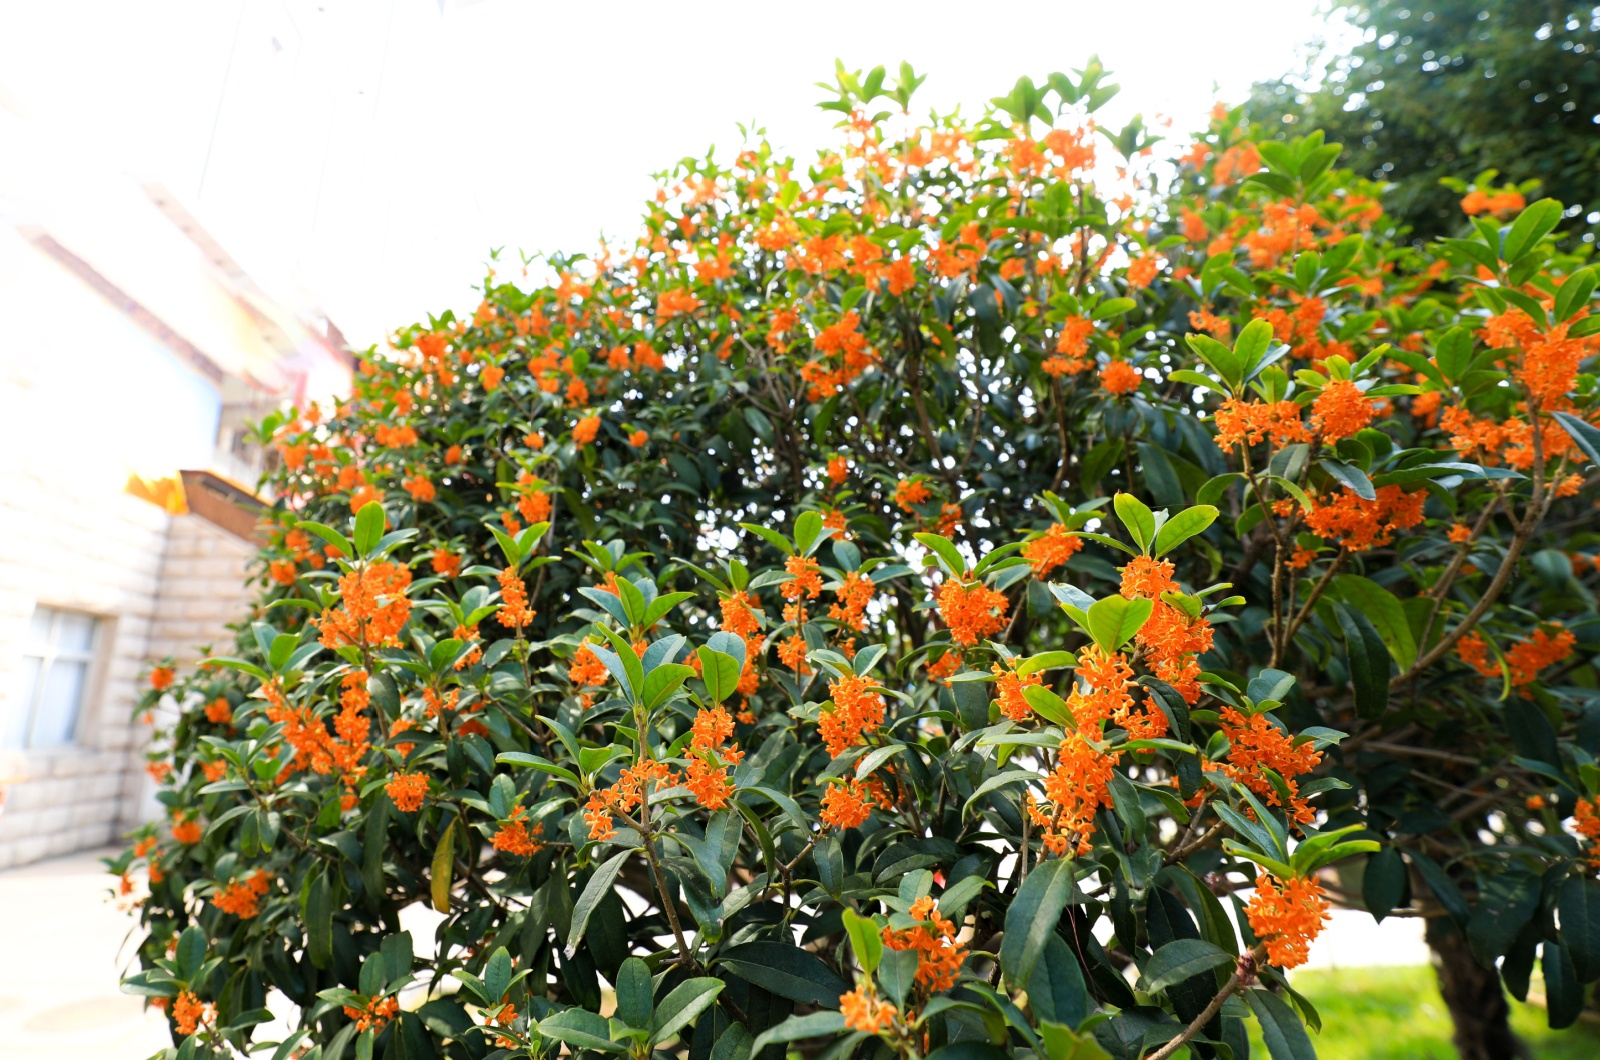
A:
[1472,993]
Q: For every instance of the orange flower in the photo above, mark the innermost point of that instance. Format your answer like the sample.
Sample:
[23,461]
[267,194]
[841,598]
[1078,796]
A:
[161,678]
[846,805]
[189,1014]
[838,470]
[1587,822]
[586,430]
[1287,916]
[491,376]
[420,488]
[674,302]
[515,838]
[1009,686]
[376,1015]
[1051,549]
[408,790]
[586,668]
[373,607]
[1143,269]
[242,898]
[624,796]
[1078,788]
[1256,742]
[639,439]
[445,563]
[910,491]
[1526,658]
[854,595]
[864,1012]
[1341,410]
[805,579]
[219,711]
[707,777]
[514,610]
[1361,524]
[740,615]
[187,832]
[972,610]
[1251,422]
[1119,378]
[939,956]
[856,711]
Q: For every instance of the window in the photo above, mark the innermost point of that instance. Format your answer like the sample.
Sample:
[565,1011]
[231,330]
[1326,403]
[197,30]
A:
[56,662]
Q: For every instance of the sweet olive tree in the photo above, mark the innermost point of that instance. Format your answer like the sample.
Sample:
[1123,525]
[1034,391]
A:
[900,607]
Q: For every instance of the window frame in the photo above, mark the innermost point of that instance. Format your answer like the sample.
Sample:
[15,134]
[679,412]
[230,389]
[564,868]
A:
[48,653]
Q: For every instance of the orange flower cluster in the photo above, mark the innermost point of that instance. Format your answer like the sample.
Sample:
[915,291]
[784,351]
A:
[939,956]
[972,610]
[533,504]
[373,607]
[242,897]
[1119,378]
[586,669]
[1548,367]
[1524,659]
[864,1012]
[1071,348]
[377,1014]
[838,469]
[161,678]
[514,611]
[1255,742]
[1511,441]
[792,653]
[187,831]
[1501,203]
[408,790]
[909,492]
[1587,822]
[844,356]
[1077,789]
[1109,678]
[586,430]
[707,776]
[1171,639]
[846,805]
[1287,916]
[1252,422]
[854,595]
[805,579]
[1341,410]
[219,711]
[1360,524]
[445,563]
[856,711]
[1051,549]
[624,796]
[514,837]
[1008,687]
[189,1013]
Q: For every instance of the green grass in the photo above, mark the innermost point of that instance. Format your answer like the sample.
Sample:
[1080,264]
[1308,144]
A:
[1397,1014]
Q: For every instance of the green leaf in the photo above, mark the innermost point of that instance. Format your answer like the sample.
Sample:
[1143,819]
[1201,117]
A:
[679,1008]
[1383,884]
[444,863]
[663,681]
[1252,344]
[1532,225]
[865,940]
[1050,706]
[1369,661]
[1114,620]
[1032,919]
[594,892]
[1563,992]
[496,975]
[532,761]
[581,1028]
[1583,433]
[720,671]
[1385,612]
[340,543]
[812,1025]
[369,527]
[1138,518]
[946,551]
[1179,960]
[319,921]
[785,970]
[1281,1029]
[1183,526]
[1579,905]
[191,953]
[1574,293]
[1351,476]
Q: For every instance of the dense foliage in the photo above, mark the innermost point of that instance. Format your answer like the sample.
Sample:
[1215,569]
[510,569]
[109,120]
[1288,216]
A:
[899,606]
[1452,88]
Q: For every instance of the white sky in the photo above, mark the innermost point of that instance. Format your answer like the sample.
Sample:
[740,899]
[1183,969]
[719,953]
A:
[365,154]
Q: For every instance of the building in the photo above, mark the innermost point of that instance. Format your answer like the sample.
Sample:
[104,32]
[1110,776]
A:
[136,353]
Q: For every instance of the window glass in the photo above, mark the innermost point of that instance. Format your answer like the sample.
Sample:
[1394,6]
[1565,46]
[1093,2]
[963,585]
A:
[52,680]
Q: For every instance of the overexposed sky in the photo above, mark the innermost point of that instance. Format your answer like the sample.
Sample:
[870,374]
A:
[365,154]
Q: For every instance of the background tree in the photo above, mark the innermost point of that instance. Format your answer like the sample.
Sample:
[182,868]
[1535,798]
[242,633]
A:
[1450,88]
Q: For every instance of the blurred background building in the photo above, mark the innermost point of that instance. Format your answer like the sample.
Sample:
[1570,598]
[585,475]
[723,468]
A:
[136,352]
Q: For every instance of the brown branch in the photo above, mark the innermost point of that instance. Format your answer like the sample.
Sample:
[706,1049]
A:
[1243,973]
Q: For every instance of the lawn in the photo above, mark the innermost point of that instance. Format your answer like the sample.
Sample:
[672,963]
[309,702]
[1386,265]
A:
[1396,1014]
